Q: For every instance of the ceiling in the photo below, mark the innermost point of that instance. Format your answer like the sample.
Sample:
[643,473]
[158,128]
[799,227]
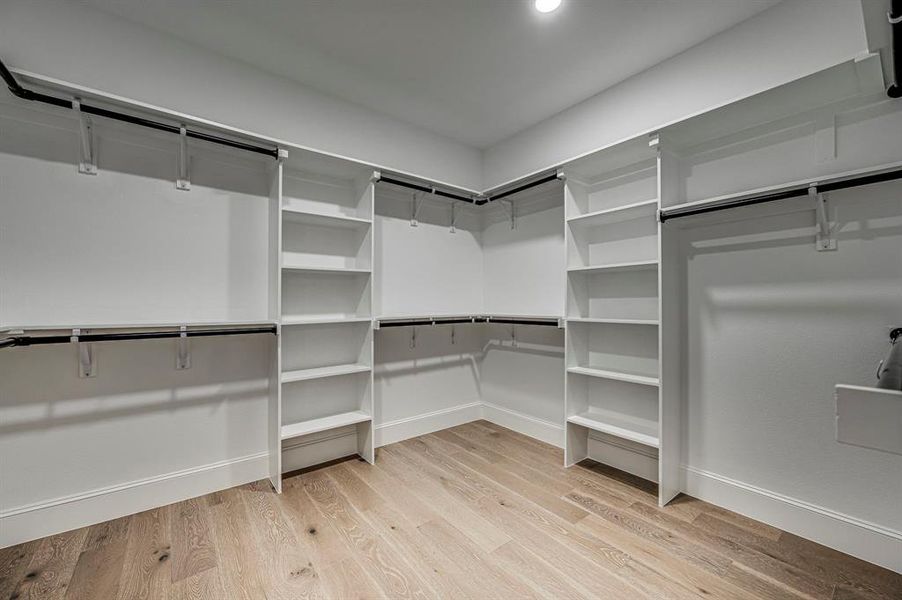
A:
[477,71]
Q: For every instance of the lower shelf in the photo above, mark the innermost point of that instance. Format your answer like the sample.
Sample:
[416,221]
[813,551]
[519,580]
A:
[320,372]
[331,422]
[628,427]
[616,375]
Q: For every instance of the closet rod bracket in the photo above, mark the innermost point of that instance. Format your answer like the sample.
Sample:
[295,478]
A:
[184,181]
[825,239]
[417,204]
[87,365]
[87,164]
[183,350]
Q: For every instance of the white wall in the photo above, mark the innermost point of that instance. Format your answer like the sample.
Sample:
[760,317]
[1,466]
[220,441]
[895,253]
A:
[522,379]
[524,266]
[80,249]
[773,325]
[140,434]
[73,43]
[430,386]
[426,270]
[125,247]
[779,45]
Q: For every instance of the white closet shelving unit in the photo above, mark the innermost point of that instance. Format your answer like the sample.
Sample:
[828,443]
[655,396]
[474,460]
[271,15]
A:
[324,256]
[614,328]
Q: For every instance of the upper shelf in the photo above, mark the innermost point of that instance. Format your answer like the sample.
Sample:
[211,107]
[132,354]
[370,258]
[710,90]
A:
[624,266]
[292,215]
[298,268]
[608,216]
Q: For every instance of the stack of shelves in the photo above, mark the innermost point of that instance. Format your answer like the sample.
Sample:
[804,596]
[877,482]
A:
[612,349]
[326,347]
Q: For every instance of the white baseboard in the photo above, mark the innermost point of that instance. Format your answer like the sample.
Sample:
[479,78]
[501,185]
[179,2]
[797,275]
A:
[49,517]
[403,429]
[318,448]
[868,541]
[546,431]
[637,459]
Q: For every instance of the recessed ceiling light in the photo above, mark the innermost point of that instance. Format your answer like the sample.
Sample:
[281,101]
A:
[546,6]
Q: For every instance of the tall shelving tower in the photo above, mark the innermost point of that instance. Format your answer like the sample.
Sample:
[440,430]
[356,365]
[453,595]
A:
[613,383]
[324,369]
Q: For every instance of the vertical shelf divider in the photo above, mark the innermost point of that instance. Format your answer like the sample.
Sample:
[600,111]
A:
[275,313]
[366,432]
[670,333]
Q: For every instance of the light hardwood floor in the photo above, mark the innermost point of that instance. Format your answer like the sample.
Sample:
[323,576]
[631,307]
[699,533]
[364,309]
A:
[476,511]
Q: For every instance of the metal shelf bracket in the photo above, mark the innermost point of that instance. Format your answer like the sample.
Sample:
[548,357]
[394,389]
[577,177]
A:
[87,366]
[825,239]
[87,163]
[184,181]
[183,350]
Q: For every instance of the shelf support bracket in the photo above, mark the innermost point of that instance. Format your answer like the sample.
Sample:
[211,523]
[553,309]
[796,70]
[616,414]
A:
[184,181]
[452,335]
[825,239]
[87,366]
[415,209]
[87,163]
[513,212]
[453,217]
[413,337]
[183,350]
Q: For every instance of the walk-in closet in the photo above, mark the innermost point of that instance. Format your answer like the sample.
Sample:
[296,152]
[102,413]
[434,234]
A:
[390,299]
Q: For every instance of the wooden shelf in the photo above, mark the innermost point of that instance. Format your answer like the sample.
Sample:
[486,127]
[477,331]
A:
[625,266]
[616,375]
[325,423]
[323,320]
[608,216]
[318,269]
[620,425]
[322,372]
[291,215]
[653,322]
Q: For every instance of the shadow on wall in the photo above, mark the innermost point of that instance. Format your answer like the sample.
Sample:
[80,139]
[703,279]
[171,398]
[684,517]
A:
[40,387]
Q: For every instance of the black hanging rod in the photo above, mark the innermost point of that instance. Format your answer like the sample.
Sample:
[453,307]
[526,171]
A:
[475,200]
[521,188]
[17,90]
[539,322]
[796,192]
[429,322]
[417,322]
[27,340]
[430,190]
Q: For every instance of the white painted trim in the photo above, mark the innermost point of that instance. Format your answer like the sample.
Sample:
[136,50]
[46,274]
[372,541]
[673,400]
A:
[540,429]
[317,448]
[403,429]
[868,541]
[49,517]
[81,90]
[641,461]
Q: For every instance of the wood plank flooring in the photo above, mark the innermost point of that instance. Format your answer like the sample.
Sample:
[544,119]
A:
[476,511]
